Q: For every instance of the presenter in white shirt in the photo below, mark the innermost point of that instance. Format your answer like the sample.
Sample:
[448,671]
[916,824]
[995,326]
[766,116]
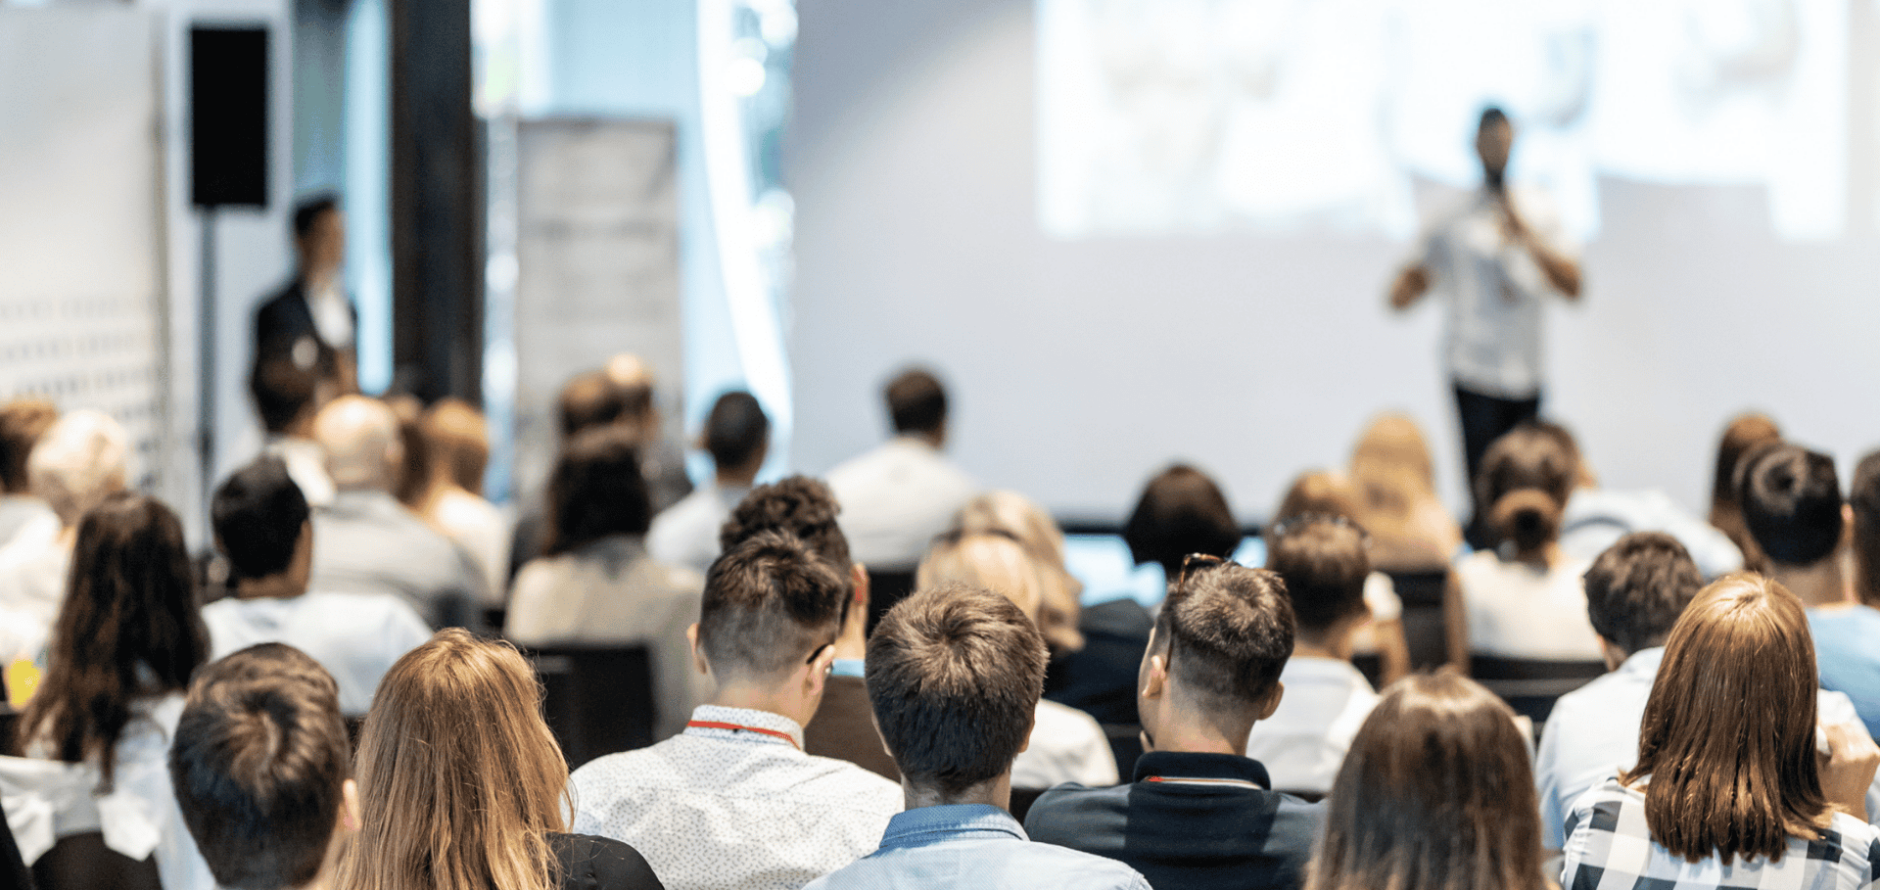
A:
[896,498]
[1494,262]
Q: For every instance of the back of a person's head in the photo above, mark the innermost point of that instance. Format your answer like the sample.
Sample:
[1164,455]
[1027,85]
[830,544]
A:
[1744,433]
[803,507]
[1227,630]
[1863,498]
[1728,737]
[770,603]
[259,764]
[412,476]
[1435,793]
[1321,559]
[736,430]
[1792,504]
[1012,513]
[1638,587]
[1181,511]
[589,400]
[458,439]
[954,674]
[460,780]
[285,390]
[81,459]
[634,380]
[596,491]
[993,560]
[917,402]
[128,627]
[1319,493]
[364,448]
[257,515]
[1524,481]
[22,422]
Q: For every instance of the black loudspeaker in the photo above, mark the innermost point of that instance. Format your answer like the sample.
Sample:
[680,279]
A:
[228,116]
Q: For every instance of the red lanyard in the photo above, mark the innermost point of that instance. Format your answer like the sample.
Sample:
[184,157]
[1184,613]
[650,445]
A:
[1159,780]
[739,727]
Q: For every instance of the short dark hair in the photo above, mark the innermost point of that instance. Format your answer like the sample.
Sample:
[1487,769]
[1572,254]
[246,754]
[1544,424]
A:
[735,429]
[1792,504]
[1491,115]
[283,389]
[1229,632]
[1636,590]
[1181,511]
[308,211]
[917,402]
[1324,567]
[257,514]
[954,675]
[799,505]
[596,490]
[1864,496]
[769,603]
[22,422]
[258,764]
[1524,481]
[590,399]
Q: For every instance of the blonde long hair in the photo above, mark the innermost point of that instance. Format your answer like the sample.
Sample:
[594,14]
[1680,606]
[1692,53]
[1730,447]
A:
[1395,482]
[460,780]
[1011,512]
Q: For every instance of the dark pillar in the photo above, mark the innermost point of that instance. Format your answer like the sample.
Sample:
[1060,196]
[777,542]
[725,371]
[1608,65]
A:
[437,203]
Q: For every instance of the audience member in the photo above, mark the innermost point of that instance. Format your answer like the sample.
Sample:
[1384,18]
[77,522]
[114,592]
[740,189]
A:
[844,727]
[22,422]
[896,498]
[262,770]
[80,460]
[457,451]
[955,674]
[1435,793]
[1066,744]
[1181,511]
[662,461]
[1735,784]
[127,639]
[310,321]
[1594,517]
[1863,501]
[1411,530]
[1523,599]
[1200,811]
[1323,494]
[596,583]
[734,801]
[1024,519]
[288,397]
[1792,507]
[263,526]
[737,436]
[368,542]
[1321,559]
[463,788]
[1745,433]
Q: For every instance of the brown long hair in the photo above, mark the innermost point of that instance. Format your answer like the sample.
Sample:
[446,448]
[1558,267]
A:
[1435,794]
[1728,739]
[460,781]
[129,628]
[1395,479]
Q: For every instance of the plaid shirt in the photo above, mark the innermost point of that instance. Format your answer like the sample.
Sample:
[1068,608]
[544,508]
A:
[1609,847]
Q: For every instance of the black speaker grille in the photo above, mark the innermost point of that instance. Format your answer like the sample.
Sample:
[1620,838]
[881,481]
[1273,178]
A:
[228,119]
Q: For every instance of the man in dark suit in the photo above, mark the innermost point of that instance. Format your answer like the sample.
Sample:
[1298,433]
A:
[310,320]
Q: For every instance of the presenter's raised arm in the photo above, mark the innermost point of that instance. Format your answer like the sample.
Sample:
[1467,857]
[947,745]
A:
[1411,284]
[1562,271]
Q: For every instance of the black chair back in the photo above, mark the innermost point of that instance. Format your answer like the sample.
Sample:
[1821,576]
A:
[1022,799]
[597,699]
[1531,685]
[1423,628]
[83,862]
[1126,746]
[885,589]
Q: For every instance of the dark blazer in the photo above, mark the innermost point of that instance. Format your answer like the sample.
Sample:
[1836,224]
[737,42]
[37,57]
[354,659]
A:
[285,318]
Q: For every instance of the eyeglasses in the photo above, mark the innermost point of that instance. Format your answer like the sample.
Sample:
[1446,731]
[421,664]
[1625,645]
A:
[1196,563]
[1303,520]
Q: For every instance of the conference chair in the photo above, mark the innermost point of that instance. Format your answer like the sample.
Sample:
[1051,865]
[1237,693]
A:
[1423,625]
[597,699]
[1531,685]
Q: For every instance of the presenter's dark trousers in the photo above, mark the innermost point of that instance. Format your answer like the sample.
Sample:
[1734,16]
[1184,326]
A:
[1484,419]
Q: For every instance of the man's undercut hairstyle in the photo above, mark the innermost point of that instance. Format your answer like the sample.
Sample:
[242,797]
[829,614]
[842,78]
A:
[770,604]
[1636,590]
[308,211]
[1323,566]
[257,515]
[917,402]
[1181,511]
[259,764]
[1491,116]
[1792,504]
[1228,631]
[22,422]
[803,507]
[954,675]
[588,400]
[735,430]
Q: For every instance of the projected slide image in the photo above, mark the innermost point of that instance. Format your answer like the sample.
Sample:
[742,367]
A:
[1161,117]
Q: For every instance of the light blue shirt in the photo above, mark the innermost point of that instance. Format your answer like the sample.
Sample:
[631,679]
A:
[1847,658]
[974,846]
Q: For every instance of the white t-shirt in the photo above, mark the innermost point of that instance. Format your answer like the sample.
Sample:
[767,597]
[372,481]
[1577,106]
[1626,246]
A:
[1519,611]
[1304,742]
[895,499]
[476,526]
[355,636]
[686,533]
[1067,745]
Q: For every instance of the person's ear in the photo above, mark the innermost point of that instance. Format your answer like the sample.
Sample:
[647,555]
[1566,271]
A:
[349,806]
[819,669]
[1030,725]
[858,574]
[698,655]
[1155,679]
[1272,701]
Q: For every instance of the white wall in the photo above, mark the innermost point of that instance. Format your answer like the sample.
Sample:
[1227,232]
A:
[1079,368]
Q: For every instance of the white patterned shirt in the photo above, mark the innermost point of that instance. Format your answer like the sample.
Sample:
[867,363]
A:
[735,809]
[1609,847]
